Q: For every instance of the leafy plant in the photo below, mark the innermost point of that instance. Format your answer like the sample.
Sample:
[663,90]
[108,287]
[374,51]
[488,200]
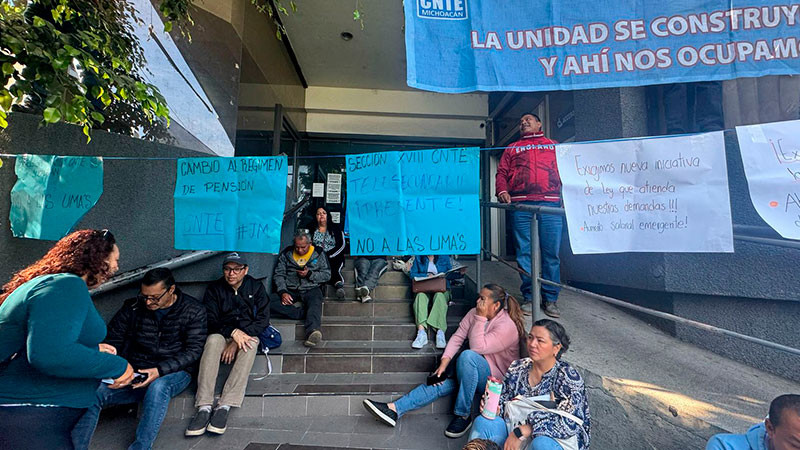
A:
[78,61]
[73,61]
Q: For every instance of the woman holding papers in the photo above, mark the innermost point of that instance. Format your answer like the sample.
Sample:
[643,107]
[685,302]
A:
[426,268]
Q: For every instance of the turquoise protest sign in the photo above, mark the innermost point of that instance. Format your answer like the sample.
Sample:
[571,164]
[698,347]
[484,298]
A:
[230,204]
[414,203]
[52,193]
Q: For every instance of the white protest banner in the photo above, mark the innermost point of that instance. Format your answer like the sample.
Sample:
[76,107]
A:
[771,156]
[647,195]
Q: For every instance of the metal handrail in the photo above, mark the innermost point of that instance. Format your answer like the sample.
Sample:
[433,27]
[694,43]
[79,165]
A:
[131,276]
[538,280]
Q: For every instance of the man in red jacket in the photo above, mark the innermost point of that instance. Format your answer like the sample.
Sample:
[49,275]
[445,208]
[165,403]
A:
[528,175]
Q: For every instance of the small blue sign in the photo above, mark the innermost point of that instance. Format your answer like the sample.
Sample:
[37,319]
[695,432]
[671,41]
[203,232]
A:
[53,193]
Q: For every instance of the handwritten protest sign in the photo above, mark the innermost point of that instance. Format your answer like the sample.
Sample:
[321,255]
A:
[230,203]
[414,203]
[647,195]
[468,45]
[771,156]
[52,193]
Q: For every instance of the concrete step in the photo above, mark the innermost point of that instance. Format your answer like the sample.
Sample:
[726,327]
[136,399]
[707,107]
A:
[357,357]
[398,309]
[388,291]
[351,328]
[389,277]
[383,291]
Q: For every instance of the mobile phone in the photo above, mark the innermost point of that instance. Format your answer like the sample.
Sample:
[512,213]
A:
[435,379]
[139,378]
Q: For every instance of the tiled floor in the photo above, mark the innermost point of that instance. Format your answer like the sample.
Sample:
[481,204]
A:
[414,432]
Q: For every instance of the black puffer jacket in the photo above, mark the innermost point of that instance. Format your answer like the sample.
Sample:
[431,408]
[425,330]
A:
[174,343]
[246,308]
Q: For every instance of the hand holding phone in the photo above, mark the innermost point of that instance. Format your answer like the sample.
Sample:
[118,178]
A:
[433,379]
[139,377]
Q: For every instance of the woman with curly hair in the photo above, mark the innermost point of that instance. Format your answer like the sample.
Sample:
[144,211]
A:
[543,404]
[51,356]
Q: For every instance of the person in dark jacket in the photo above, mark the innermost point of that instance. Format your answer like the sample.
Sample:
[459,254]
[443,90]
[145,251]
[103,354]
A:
[528,175]
[161,333]
[300,271]
[238,312]
[329,237]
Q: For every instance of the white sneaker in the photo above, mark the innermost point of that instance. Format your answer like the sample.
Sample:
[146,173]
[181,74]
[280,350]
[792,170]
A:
[362,291]
[421,340]
[366,299]
[441,341]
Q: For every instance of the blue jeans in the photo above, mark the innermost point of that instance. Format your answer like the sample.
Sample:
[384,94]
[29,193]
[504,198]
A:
[550,228]
[495,430]
[472,370]
[155,400]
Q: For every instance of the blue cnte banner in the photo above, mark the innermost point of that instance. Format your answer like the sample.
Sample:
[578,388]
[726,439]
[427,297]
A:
[523,45]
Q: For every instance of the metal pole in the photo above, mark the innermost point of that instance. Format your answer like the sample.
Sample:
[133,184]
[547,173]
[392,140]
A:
[678,319]
[277,128]
[480,255]
[536,270]
[296,170]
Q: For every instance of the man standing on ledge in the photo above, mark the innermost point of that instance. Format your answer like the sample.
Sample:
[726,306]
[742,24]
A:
[528,175]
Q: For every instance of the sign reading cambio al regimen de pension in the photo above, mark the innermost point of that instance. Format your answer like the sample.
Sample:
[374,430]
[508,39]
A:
[647,195]
[490,45]
[230,204]
[771,156]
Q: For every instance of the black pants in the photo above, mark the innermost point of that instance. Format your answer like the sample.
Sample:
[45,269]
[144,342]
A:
[312,308]
[693,107]
[38,427]
[337,264]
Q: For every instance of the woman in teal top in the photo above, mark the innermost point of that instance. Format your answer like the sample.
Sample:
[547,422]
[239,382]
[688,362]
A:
[51,359]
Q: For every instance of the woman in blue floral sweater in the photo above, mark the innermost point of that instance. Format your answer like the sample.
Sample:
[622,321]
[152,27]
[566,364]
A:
[565,423]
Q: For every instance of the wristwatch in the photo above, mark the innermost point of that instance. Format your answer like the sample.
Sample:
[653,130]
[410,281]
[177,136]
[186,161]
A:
[518,433]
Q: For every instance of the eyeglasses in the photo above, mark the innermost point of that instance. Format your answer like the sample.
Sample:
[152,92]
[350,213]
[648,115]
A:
[151,298]
[235,270]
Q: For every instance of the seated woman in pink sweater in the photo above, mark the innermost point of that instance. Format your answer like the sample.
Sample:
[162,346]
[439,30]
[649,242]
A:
[494,329]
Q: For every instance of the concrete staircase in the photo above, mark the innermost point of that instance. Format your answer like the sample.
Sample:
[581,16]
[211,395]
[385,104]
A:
[366,353]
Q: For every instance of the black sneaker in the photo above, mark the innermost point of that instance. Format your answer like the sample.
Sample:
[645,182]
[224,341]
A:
[197,427]
[551,309]
[219,421]
[381,412]
[458,427]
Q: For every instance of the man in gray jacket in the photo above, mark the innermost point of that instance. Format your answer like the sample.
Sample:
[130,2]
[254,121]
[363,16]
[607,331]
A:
[299,273]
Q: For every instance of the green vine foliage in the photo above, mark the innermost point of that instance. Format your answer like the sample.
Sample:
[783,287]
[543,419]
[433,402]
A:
[76,61]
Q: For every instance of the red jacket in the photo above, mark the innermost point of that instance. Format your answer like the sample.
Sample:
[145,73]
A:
[528,170]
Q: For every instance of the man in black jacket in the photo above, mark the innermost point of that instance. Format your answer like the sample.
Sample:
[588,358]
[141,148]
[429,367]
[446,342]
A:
[161,333]
[238,312]
[299,273]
